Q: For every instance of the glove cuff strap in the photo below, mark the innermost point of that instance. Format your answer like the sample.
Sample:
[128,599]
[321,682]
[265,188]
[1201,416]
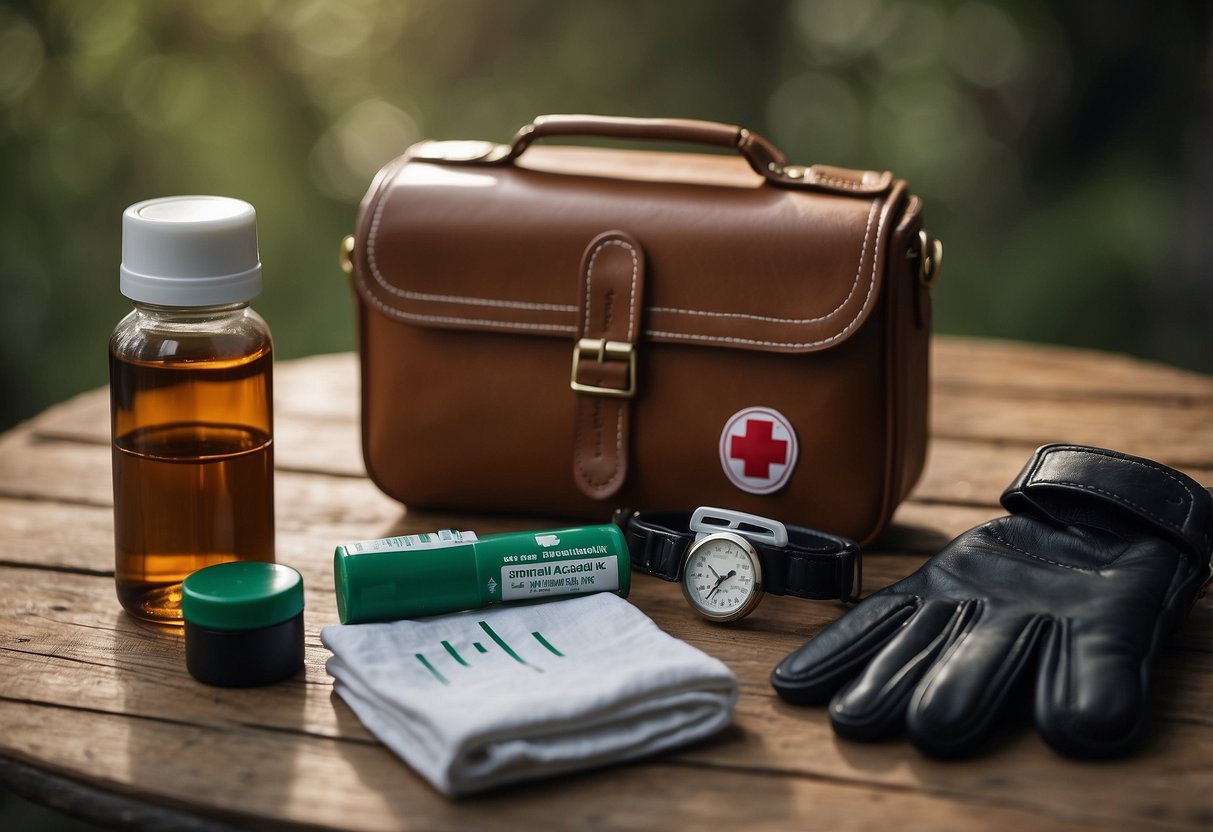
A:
[1081,485]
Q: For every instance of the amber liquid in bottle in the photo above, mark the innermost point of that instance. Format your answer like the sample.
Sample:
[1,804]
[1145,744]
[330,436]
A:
[193,461]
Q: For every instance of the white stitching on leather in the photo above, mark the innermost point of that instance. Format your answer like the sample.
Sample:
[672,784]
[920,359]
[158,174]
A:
[863,247]
[580,454]
[722,339]
[585,331]
[676,336]
[507,304]
[1118,497]
[446,319]
[589,270]
[993,532]
[838,182]
[424,296]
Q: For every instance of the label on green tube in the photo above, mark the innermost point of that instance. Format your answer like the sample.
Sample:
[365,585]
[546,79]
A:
[404,543]
[563,577]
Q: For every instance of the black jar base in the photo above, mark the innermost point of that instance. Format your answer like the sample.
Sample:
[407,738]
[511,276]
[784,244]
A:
[244,658]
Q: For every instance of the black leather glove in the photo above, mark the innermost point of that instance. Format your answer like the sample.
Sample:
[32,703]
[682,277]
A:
[1102,556]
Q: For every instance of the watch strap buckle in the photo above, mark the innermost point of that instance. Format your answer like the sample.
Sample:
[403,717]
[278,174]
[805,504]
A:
[710,520]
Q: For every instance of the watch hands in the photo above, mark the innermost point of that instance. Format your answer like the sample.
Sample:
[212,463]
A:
[719,580]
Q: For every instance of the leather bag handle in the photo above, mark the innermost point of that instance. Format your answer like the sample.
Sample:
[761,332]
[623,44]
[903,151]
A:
[763,157]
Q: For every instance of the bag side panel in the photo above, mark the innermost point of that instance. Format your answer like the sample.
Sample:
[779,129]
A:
[905,315]
[910,357]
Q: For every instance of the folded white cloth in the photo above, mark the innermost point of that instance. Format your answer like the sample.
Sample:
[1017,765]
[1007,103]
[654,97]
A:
[488,697]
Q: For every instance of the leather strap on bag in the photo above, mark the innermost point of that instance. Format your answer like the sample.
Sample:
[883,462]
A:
[604,360]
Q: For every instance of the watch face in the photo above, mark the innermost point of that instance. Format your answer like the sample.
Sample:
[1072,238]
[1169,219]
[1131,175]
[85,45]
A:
[722,577]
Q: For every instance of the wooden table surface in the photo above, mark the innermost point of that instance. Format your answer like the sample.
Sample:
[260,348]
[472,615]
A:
[99,717]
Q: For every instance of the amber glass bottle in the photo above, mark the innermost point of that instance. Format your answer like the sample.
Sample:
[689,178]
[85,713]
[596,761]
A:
[191,401]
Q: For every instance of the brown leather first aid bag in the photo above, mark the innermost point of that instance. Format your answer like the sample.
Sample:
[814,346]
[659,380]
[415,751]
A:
[569,330]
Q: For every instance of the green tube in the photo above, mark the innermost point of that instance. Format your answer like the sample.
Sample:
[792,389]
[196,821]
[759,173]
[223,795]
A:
[429,574]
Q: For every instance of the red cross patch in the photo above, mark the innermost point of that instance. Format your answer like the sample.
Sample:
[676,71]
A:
[758,450]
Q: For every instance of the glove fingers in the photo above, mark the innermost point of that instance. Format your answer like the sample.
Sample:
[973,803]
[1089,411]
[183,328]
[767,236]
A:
[956,705]
[873,705]
[811,674]
[1091,692]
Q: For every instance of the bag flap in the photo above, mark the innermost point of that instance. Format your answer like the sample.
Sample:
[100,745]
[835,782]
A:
[732,262]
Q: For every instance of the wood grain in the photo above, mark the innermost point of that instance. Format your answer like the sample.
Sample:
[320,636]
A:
[981,365]
[96,698]
[246,776]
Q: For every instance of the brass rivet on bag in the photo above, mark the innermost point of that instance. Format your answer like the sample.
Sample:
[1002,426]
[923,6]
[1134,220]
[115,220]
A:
[345,257]
[787,171]
[930,257]
[931,263]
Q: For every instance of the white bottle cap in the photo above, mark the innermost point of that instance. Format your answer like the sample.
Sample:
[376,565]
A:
[190,251]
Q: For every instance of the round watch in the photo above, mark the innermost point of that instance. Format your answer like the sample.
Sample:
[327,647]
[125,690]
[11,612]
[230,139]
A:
[722,577]
[727,560]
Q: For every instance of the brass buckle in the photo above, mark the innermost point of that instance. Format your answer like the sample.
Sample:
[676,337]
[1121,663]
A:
[607,351]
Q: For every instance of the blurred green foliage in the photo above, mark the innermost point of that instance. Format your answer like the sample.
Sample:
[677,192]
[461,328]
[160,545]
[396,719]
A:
[1062,148]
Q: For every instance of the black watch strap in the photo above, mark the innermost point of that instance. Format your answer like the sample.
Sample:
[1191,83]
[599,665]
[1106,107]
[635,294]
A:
[814,564]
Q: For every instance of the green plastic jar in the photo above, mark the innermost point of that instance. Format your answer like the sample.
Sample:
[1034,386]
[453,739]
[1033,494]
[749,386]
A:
[243,623]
